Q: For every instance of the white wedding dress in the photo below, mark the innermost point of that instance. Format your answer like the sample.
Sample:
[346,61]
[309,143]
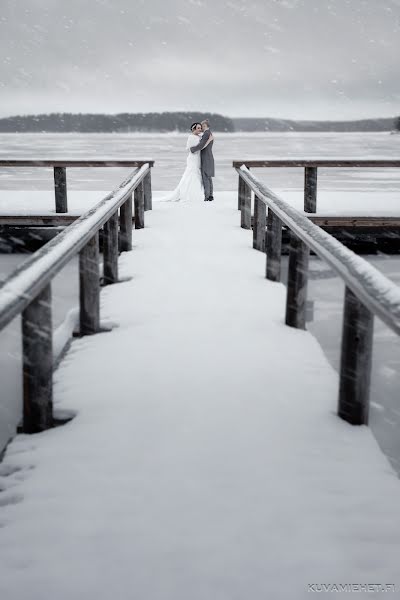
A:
[190,188]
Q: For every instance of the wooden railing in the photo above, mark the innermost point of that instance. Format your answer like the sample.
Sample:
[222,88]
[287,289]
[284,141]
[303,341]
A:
[367,291]
[60,174]
[27,290]
[310,175]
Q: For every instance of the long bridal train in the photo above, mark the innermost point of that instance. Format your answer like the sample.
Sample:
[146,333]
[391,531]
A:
[190,187]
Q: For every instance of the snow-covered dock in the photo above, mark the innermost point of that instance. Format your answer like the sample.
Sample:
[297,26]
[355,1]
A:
[205,459]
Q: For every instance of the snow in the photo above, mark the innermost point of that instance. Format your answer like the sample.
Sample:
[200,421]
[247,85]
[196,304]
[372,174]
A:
[44,261]
[205,459]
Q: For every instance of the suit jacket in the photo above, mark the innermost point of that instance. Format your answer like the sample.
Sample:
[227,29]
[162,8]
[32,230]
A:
[207,158]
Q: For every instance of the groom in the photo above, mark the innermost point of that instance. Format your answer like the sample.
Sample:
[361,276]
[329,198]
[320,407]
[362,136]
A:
[207,160]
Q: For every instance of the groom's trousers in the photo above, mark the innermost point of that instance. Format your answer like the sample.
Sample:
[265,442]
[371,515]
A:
[207,184]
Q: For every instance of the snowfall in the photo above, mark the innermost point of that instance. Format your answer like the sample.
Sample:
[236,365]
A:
[204,459]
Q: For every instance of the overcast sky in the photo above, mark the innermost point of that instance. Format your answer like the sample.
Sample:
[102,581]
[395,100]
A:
[332,59]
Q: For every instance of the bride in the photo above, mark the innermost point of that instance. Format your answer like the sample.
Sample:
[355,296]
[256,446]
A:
[190,188]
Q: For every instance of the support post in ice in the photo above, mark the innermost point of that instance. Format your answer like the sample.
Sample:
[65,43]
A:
[139,206]
[259,224]
[125,225]
[37,342]
[310,189]
[274,247]
[89,287]
[296,298]
[355,361]
[246,207]
[110,250]
[60,188]
[148,201]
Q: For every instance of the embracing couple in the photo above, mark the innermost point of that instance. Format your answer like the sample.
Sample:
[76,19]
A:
[196,184]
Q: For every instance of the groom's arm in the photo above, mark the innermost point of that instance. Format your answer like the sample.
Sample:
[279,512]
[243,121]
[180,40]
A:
[202,142]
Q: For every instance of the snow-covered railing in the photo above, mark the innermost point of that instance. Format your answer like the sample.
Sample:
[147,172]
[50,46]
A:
[60,174]
[27,290]
[311,166]
[368,292]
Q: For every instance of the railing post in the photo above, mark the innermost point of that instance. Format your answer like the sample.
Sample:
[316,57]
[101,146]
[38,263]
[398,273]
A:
[125,225]
[274,247]
[60,188]
[240,192]
[245,220]
[296,297]
[139,206]
[37,342]
[148,198]
[355,361]
[89,287]
[110,250]
[310,189]
[259,224]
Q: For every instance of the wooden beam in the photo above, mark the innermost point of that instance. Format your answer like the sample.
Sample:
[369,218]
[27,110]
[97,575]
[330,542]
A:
[75,163]
[302,162]
[59,220]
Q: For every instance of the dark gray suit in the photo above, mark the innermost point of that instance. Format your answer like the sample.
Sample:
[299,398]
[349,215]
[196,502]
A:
[207,162]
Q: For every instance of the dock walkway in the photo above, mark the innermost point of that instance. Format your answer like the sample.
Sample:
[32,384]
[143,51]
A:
[205,460]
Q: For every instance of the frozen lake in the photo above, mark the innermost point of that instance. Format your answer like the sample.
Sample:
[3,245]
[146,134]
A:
[325,290]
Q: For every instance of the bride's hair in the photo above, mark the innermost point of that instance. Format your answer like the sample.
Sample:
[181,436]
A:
[192,127]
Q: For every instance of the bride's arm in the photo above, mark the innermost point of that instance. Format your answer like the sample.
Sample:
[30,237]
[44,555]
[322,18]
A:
[203,142]
[210,139]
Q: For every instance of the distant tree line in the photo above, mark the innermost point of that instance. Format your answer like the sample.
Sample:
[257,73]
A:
[120,123]
[177,121]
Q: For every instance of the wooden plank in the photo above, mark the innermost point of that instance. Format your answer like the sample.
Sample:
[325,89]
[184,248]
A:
[306,162]
[59,220]
[296,297]
[60,189]
[355,362]
[110,250]
[37,341]
[75,163]
[89,287]
[125,232]
[310,189]
[351,221]
[260,223]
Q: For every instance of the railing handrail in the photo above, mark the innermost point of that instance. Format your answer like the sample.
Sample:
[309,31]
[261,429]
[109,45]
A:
[312,162]
[380,295]
[95,162]
[27,281]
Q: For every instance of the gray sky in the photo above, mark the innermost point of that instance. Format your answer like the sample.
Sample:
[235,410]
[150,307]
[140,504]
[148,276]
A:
[333,59]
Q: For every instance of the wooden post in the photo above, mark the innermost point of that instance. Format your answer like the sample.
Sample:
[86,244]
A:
[274,247]
[60,188]
[125,225]
[240,193]
[110,250]
[139,206]
[148,199]
[259,224]
[310,189]
[89,287]
[355,361]
[296,298]
[37,342]
[246,207]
